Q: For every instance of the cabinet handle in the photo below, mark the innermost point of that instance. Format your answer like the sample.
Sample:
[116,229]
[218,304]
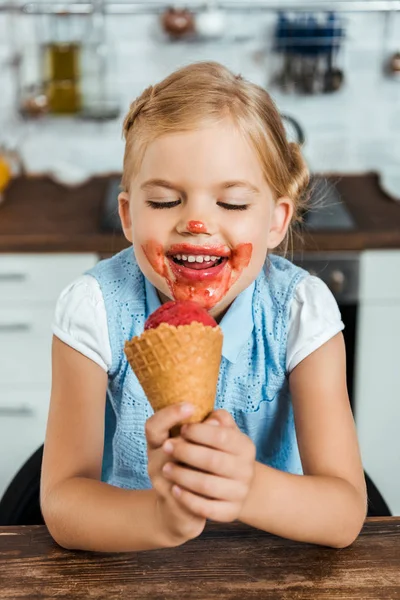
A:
[12,277]
[12,327]
[16,411]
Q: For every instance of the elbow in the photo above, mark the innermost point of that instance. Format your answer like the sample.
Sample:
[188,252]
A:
[58,533]
[351,526]
[346,540]
[53,522]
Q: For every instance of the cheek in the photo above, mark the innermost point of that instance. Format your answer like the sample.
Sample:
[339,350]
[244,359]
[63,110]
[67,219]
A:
[149,225]
[251,229]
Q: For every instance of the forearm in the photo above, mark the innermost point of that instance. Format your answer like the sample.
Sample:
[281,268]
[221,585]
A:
[86,514]
[316,509]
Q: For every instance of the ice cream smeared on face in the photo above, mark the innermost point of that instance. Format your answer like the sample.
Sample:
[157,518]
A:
[203,274]
[196,227]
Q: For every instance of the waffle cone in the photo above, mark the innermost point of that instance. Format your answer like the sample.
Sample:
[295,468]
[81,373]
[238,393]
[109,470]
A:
[178,364]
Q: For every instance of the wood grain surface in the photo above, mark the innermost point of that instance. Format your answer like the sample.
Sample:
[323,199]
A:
[39,215]
[227,561]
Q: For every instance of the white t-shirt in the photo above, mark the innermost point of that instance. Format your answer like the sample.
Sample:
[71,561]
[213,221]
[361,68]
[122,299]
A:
[81,322]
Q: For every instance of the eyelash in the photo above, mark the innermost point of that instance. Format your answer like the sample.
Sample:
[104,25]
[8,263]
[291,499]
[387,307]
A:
[172,204]
[233,206]
[161,205]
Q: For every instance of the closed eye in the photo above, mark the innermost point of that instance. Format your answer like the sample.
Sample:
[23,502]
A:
[157,205]
[227,206]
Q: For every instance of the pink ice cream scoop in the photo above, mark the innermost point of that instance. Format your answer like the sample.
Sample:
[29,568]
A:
[179,313]
[176,359]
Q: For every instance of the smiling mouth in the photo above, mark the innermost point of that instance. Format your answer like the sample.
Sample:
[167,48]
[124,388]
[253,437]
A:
[198,262]
[192,264]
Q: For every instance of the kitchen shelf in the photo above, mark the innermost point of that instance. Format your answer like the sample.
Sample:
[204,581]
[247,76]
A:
[144,8]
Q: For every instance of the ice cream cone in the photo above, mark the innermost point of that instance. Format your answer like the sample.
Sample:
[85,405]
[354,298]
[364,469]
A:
[178,364]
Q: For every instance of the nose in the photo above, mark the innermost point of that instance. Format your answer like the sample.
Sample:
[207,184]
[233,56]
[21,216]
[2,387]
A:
[192,227]
[194,221]
[197,216]
[196,227]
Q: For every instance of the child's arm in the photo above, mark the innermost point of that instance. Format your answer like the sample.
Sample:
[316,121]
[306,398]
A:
[327,505]
[80,511]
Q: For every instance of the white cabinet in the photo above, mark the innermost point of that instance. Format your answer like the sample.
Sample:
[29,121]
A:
[377,394]
[29,287]
[39,278]
[23,417]
[25,344]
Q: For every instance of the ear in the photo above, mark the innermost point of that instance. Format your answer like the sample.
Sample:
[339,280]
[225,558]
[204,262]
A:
[280,221]
[125,215]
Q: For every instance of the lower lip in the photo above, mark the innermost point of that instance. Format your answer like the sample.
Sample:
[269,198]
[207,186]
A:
[205,286]
[191,275]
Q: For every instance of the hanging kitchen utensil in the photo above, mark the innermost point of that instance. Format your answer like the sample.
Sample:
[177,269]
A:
[308,45]
[393,65]
[308,49]
[178,22]
[333,77]
[210,23]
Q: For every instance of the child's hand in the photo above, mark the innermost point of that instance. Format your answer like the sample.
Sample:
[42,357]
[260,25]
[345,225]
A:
[179,524]
[221,463]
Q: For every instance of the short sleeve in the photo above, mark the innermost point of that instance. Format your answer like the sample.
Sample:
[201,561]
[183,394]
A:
[314,319]
[80,320]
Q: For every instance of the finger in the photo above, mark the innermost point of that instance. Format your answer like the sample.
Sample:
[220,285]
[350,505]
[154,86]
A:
[216,488]
[222,417]
[159,425]
[221,438]
[216,510]
[202,458]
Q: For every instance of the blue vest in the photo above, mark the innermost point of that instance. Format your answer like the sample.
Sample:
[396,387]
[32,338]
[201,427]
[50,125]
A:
[252,384]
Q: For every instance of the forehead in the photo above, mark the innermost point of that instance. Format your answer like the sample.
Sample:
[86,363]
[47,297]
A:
[212,152]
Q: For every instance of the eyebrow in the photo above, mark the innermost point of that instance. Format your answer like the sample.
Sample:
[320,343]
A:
[242,184]
[158,183]
[151,183]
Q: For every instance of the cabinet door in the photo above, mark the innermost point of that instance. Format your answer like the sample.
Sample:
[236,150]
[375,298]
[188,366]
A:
[23,418]
[25,346]
[377,401]
[39,278]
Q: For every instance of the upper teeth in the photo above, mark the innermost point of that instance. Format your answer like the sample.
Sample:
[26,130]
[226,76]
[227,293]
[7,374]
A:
[198,258]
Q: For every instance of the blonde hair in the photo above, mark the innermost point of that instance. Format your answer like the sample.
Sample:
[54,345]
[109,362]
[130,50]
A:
[208,91]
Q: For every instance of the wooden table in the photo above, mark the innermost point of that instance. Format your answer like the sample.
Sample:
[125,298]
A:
[227,561]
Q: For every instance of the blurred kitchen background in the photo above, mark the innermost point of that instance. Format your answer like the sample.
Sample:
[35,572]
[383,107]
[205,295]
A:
[68,72]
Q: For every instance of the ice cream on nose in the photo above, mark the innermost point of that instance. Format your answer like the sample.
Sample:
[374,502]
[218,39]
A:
[177,357]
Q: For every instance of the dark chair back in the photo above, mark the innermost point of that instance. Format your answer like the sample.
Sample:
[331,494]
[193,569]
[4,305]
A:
[20,503]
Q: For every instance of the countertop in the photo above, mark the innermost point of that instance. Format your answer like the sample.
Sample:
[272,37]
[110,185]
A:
[39,215]
[230,561]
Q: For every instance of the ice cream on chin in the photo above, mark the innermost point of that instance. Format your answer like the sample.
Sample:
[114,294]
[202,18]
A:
[177,358]
[202,274]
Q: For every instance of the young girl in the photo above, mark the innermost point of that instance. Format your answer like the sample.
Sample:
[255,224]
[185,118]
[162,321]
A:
[210,187]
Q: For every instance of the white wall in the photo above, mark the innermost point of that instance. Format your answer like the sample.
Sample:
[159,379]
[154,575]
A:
[355,129]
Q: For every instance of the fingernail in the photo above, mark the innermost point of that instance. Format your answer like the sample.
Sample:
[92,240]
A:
[213,422]
[167,467]
[168,447]
[187,409]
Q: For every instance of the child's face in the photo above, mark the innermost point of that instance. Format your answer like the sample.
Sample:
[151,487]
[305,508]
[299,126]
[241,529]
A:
[198,196]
